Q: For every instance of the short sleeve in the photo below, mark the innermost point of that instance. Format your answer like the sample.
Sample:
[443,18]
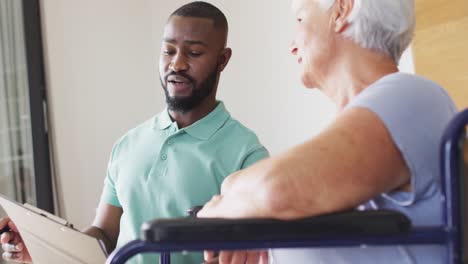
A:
[415,111]
[255,155]
[109,193]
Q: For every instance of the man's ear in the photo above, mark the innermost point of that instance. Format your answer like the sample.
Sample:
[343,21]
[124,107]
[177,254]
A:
[340,16]
[224,58]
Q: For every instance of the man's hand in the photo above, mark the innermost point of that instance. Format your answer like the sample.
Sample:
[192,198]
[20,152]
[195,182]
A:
[237,257]
[13,244]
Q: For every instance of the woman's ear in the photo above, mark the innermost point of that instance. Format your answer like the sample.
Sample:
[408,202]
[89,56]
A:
[224,58]
[341,12]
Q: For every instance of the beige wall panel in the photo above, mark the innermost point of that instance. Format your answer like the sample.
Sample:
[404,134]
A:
[440,45]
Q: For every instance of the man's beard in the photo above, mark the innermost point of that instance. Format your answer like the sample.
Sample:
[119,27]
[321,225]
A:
[184,104]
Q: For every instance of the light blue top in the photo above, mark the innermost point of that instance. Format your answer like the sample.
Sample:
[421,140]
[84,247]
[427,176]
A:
[157,170]
[415,112]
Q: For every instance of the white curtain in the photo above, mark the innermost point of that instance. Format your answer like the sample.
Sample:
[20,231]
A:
[16,160]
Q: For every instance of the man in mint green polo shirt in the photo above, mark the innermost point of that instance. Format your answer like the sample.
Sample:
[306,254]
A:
[160,170]
[179,158]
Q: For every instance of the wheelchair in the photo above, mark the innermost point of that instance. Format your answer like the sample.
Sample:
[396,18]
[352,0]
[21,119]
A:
[352,228]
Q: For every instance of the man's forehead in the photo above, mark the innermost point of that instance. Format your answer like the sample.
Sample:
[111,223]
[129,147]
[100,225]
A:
[189,25]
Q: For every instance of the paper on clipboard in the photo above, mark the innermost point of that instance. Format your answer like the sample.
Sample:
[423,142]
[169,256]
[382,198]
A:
[50,239]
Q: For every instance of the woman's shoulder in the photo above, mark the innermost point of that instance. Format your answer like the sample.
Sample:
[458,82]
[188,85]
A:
[403,89]
[408,84]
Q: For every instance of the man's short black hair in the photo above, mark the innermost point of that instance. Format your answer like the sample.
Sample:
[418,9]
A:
[202,9]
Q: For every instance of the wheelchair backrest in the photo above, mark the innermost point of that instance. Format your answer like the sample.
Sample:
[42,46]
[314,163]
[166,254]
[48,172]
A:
[454,185]
[464,200]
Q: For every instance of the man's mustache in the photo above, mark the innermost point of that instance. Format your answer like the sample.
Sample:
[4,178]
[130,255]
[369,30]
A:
[181,74]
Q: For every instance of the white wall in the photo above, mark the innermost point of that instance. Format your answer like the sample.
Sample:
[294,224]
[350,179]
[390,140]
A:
[101,70]
[407,62]
[102,59]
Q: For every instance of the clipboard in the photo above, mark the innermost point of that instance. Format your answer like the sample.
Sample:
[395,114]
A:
[50,239]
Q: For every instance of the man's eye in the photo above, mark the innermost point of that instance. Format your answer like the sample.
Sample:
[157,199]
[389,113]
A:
[168,52]
[195,53]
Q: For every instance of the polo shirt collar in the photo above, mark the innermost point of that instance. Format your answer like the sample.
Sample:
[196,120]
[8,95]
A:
[163,120]
[204,128]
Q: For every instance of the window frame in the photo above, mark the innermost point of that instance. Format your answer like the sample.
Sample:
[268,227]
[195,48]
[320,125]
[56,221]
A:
[38,105]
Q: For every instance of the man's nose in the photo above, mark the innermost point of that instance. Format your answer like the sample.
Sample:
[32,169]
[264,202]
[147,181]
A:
[293,48]
[178,64]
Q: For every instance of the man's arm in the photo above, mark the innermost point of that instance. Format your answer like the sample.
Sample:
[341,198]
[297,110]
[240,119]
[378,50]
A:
[349,163]
[106,225]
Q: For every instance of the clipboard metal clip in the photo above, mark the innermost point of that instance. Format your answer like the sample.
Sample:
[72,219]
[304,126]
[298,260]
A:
[48,215]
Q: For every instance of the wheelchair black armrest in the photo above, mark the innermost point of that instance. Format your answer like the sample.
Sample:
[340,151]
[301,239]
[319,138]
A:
[377,222]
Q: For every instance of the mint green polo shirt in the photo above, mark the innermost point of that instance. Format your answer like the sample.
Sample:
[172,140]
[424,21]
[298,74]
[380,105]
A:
[157,170]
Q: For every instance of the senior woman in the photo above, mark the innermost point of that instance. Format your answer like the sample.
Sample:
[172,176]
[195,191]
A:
[381,151]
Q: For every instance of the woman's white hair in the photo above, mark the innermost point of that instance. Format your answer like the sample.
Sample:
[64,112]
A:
[383,25]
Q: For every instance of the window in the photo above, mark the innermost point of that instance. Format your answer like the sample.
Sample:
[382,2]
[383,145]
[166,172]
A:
[25,171]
